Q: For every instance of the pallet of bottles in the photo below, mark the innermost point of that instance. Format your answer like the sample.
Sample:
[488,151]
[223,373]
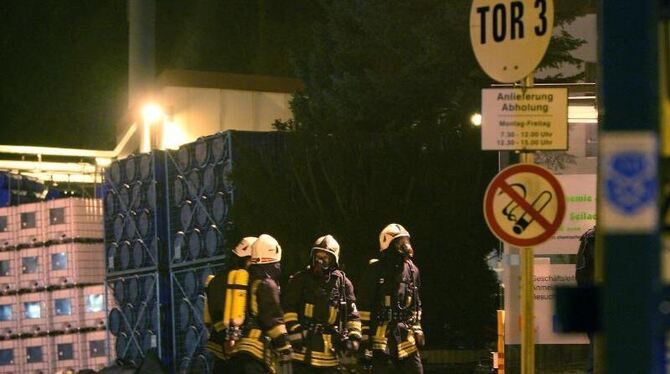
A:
[188,305]
[134,214]
[201,191]
[139,317]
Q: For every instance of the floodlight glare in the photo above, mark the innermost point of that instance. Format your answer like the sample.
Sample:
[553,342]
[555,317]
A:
[476,119]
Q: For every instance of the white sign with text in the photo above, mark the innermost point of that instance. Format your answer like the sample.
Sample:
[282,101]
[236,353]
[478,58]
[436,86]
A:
[531,119]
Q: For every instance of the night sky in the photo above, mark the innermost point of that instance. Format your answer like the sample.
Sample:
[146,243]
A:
[64,62]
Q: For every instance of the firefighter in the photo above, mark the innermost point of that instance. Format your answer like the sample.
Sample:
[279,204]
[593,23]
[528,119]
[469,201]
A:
[391,306]
[222,333]
[320,311]
[264,340]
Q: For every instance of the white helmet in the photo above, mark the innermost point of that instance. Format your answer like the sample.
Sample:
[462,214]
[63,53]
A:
[265,250]
[329,244]
[389,233]
[243,249]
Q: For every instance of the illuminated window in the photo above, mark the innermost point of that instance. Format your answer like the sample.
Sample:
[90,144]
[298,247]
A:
[5,312]
[94,303]
[32,310]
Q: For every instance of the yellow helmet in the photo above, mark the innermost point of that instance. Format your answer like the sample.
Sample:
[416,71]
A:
[389,233]
[328,244]
[243,249]
[265,250]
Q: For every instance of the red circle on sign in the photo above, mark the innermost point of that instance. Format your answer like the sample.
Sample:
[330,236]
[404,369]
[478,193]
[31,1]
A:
[499,183]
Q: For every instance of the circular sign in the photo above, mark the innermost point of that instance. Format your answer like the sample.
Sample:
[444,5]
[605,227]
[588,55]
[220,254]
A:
[509,38]
[524,205]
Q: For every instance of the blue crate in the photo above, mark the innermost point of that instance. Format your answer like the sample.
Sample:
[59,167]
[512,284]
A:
[140,317]
[135,214]
[188,303]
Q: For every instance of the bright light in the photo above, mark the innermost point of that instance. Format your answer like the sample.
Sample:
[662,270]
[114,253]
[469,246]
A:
[173,135]
[476,119]
[103,162]
[152,113]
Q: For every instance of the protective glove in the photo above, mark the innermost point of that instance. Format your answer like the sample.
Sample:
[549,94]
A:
[419,338]
[352,346]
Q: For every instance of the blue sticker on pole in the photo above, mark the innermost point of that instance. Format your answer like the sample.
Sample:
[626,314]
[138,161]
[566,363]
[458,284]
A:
[629,184]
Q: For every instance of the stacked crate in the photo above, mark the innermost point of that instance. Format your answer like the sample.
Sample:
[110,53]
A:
[166,223]
[18,189]
[51,284]
[136,267]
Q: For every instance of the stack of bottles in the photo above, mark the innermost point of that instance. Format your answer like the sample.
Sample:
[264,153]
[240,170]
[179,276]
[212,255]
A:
[135,237]
[169,255]
[52,306]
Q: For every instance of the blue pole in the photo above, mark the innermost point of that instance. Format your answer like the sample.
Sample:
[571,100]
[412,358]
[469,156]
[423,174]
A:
[633,333]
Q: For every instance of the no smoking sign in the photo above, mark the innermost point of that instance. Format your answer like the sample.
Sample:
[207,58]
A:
[524,205]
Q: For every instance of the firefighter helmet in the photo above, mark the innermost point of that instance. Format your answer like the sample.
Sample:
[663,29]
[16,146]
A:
[265,250]
[243,249]
[328,244]
[389,233]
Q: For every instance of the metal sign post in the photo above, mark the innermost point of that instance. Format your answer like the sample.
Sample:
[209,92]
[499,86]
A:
[527,299]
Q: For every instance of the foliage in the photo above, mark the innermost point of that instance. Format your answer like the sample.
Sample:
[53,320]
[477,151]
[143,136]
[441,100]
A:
[381,135]
[555,160]
[384,66]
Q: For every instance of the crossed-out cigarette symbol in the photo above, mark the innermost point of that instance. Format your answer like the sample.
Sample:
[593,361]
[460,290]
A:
[512,209]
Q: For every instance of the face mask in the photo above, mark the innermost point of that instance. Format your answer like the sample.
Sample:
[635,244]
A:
[321,263]
[406,250]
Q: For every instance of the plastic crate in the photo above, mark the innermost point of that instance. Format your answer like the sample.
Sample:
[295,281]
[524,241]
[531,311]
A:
[93,307]
[9,271]
[76,263]
[188,303]
[31,220]
[134,212]
[138,317]
[200,194]
[66,310]
[9,356]
[9,227]
[96,349]
[68,352]
[9,316]
[35,312]
[73,219]
[34,270]
[36,355]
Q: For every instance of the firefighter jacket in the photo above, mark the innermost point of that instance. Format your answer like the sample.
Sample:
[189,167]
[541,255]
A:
[391,306]
[320,312]
[264,330]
